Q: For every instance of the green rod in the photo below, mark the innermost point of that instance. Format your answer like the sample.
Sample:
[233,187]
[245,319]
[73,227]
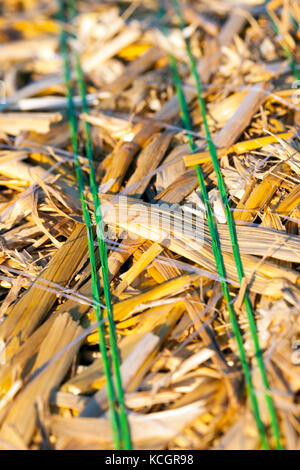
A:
[232,232]
[126,438]
[87,219]
[104,267]
[216,247]
[287,53]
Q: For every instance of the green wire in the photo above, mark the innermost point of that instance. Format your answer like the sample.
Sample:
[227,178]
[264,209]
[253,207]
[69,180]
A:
[216,247]
[103,253]
[115,422]
[232,231]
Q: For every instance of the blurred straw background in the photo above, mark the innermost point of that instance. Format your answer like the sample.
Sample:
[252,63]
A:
[182,378]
